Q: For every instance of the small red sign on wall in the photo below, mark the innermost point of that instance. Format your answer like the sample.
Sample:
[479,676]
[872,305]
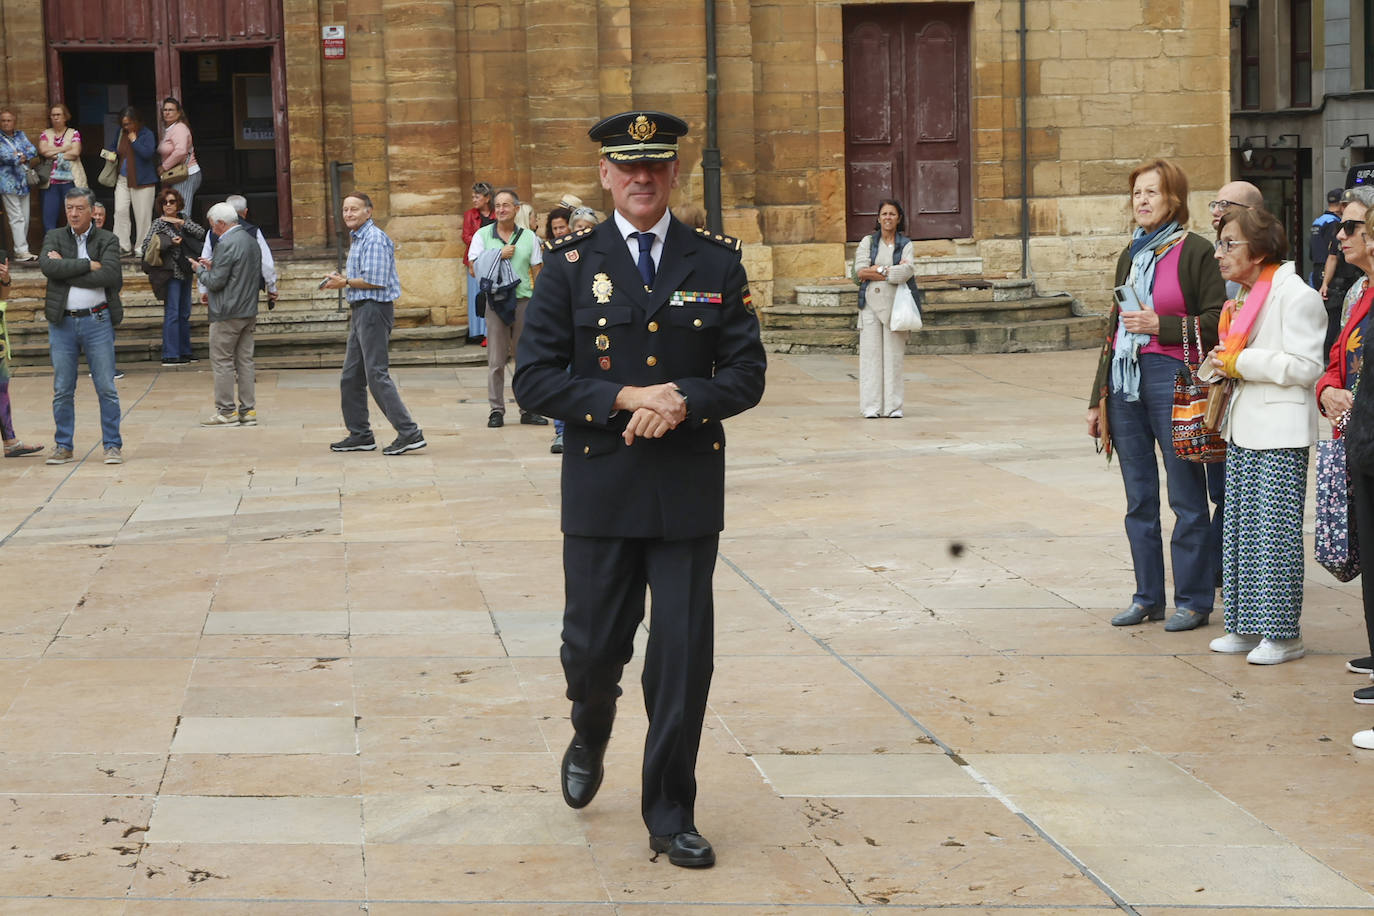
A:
[335,43]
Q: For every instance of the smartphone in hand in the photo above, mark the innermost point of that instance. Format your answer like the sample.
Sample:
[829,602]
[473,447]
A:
[323,283]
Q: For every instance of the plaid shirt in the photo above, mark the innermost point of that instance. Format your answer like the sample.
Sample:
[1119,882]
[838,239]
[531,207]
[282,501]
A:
[372,258]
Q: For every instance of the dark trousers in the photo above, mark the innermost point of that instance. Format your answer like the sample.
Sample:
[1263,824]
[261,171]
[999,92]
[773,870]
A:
[1216,490]
[604,579]
[367,367]
[1364,526]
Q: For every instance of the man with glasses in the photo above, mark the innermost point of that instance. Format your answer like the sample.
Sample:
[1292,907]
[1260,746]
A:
[1234,194]
[1248,197]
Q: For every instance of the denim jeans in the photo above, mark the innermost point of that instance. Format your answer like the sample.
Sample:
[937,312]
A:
[94,336]
[53,201]
[176,320]
[1137,427]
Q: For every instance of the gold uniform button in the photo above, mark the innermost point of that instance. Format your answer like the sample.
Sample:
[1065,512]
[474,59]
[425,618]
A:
[704,419]
[601,322]
[589,418]
[653,326]
[587,449]
[652,361]
[696,322]
[715,445]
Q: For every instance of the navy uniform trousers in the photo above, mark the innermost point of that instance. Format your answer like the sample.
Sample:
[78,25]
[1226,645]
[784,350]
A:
[646,515]
[604,581]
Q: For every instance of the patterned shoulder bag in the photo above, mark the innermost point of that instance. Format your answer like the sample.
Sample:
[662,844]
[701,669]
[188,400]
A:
[1193,440]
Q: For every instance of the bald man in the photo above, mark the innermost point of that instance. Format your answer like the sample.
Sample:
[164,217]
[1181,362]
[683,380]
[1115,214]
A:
[1231,195]
[1234,194]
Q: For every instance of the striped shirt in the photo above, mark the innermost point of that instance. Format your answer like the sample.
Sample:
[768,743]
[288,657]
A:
[372,259]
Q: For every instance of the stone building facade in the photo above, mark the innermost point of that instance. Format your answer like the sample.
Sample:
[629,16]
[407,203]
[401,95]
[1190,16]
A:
[431,95]
[1302,102]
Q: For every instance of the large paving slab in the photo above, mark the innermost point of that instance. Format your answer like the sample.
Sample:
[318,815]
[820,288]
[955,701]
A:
[242,674]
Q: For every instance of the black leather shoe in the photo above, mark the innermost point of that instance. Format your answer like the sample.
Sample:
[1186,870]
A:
[688,849]
[496,420]
[532,419]
[1137,613]
[582,771]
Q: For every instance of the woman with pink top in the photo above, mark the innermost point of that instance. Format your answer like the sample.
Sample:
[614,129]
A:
[176,148]
[1168,294]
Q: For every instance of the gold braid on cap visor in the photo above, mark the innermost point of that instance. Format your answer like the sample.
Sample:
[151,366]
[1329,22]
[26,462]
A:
[640,151]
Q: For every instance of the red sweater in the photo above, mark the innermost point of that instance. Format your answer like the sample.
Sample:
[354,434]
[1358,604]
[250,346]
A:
[1335,363]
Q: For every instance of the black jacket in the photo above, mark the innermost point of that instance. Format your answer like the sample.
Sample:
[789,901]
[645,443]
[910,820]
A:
[672,487]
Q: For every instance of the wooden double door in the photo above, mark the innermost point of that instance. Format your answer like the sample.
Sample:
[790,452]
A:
[223,59]
[907,133]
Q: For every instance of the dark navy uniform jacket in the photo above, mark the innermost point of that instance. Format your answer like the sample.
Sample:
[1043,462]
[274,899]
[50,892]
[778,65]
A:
[696,328]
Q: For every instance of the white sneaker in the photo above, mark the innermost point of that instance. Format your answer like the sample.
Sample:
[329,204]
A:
[1276,651]
[1364,739]
[1233,644]
[221,419]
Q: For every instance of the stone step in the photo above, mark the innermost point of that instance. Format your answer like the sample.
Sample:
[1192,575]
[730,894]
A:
[287,349]
[145,320]
[1031,336]
[784,317]
[843,293]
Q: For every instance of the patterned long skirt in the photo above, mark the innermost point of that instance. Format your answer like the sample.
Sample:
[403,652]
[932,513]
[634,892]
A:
[1261,541]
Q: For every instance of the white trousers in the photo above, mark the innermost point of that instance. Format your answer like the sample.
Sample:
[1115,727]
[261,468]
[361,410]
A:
[141,199]
[880,366]
[17,211]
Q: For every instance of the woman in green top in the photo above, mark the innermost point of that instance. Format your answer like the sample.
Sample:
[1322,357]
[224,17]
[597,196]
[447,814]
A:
[13,447]
[521,249]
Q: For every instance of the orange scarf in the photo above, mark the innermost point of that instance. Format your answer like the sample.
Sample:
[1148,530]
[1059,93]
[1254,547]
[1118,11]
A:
[1238,320]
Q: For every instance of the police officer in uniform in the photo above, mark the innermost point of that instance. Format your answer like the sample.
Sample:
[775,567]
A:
[642,337]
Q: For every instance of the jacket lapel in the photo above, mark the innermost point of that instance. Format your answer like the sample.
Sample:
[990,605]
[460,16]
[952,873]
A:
[674,267]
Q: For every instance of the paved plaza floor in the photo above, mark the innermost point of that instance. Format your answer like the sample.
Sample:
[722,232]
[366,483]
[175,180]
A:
[241,674]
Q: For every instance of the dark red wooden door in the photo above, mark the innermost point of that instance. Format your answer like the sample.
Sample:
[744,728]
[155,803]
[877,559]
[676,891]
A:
[907,117]
[168,29]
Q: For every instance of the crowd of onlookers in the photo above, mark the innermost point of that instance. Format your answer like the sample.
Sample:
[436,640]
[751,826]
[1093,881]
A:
[1231,318]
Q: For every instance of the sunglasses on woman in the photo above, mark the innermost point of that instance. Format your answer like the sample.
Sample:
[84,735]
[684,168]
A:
[1351,226]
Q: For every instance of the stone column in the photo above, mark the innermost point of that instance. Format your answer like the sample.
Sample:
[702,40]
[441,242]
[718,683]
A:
[561,50]
[412,114]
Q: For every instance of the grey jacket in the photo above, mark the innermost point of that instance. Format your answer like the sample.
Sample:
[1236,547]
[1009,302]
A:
[233,277]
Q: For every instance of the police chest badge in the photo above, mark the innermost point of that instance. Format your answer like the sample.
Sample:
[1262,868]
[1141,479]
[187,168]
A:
[602,288]
[602,342]
[571,256]
[604,362]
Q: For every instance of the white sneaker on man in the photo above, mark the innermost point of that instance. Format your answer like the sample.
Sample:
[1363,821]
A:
[1364,739]
[1276,651]
[1233,644]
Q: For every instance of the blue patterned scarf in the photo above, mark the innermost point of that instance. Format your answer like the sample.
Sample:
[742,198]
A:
[1135,294]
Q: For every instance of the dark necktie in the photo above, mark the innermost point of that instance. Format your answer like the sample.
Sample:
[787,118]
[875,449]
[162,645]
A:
[646,261]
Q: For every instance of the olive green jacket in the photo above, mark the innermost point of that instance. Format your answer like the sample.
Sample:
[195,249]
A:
[1204,293]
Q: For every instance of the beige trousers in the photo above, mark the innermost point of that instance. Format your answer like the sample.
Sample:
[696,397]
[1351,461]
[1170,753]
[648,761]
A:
[502,339]
[231,359]
[141,200]
[880,366]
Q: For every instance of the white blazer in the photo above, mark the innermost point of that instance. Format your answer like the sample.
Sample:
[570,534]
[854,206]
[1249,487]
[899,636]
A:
[1275,402]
